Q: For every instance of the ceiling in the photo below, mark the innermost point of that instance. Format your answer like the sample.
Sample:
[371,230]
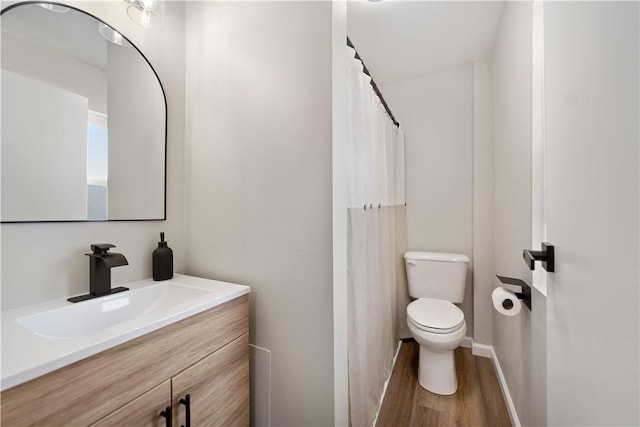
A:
[72,33]
[402,40]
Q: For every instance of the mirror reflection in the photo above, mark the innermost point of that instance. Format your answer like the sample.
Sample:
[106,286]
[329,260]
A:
[83,120]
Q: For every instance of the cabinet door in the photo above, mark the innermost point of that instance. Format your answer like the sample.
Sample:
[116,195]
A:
[76,394]
[218,388]
[143,411]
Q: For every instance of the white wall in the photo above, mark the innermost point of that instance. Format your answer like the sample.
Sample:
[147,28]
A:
[482,199]
[136,160]
[520,341]
[436,114]
[340,89]
[24,57]
[259,137]
[46,261]
[43,128]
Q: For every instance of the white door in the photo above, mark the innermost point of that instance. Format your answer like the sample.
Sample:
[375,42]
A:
[591,193]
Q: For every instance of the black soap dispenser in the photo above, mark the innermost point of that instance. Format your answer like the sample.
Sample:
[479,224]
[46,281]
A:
[162,261]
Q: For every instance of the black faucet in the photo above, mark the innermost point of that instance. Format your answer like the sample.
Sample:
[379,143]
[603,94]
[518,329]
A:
[100,263]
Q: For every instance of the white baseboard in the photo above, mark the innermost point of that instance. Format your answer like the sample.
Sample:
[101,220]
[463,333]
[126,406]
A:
[481,350]
[511,407]
[488,351]
[386,383]
[467,342]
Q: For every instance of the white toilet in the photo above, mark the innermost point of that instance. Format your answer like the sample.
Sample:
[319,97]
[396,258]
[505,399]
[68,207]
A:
[437,280]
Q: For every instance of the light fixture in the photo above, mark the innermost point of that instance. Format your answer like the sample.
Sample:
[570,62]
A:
[54,7]
[112,35]
[147,13]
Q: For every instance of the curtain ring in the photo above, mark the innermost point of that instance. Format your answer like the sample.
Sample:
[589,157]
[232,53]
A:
[379,205]
[371,206]
[365,206]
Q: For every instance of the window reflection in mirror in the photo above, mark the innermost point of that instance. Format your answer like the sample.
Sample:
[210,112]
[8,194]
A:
[97,166]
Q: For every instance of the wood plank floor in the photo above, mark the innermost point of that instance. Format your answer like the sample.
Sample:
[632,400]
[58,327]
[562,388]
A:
[478,401]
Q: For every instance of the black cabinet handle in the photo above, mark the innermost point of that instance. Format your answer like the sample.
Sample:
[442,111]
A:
[187,404]
[167,414]
[546,255]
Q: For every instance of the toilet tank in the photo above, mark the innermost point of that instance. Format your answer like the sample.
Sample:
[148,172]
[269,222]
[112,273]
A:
[436,275]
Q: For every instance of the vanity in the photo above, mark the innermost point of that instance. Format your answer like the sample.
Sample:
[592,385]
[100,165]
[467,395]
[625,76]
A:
[166,353]
[171,353]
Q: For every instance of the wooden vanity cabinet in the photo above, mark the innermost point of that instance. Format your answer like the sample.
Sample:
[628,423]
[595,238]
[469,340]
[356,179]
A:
[218,388]
[144,411]
[205,356]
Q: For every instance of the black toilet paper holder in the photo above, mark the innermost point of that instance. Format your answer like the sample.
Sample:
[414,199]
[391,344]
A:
[524,295]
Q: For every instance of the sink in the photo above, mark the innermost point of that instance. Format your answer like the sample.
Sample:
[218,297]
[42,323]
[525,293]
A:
[94,315]
[40,338]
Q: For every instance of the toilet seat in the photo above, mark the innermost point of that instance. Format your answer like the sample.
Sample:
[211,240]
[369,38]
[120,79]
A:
[435,315]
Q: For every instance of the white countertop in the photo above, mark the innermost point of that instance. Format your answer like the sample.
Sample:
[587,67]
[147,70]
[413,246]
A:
[27,354]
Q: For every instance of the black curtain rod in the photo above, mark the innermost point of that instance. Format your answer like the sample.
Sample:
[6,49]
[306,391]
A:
[373,83]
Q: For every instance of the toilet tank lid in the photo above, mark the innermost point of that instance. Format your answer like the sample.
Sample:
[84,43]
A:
[436,256]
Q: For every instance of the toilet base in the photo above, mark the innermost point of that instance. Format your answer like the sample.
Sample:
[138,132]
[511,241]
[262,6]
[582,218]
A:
[437,371]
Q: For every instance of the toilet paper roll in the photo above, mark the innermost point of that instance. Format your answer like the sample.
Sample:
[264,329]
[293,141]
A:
[505,301]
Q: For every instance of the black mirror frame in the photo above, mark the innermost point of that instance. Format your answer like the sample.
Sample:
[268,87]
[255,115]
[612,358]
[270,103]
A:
[164,97]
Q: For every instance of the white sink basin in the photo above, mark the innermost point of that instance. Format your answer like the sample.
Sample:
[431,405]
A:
[76,320]
[44,337]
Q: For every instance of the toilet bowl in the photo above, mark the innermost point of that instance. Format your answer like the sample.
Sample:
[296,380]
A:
[438,327]
[437,280]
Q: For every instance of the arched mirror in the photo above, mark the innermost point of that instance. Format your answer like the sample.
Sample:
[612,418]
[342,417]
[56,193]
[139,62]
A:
[83,120]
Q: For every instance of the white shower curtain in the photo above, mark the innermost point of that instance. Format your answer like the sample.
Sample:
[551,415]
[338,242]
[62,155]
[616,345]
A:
[377,239]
